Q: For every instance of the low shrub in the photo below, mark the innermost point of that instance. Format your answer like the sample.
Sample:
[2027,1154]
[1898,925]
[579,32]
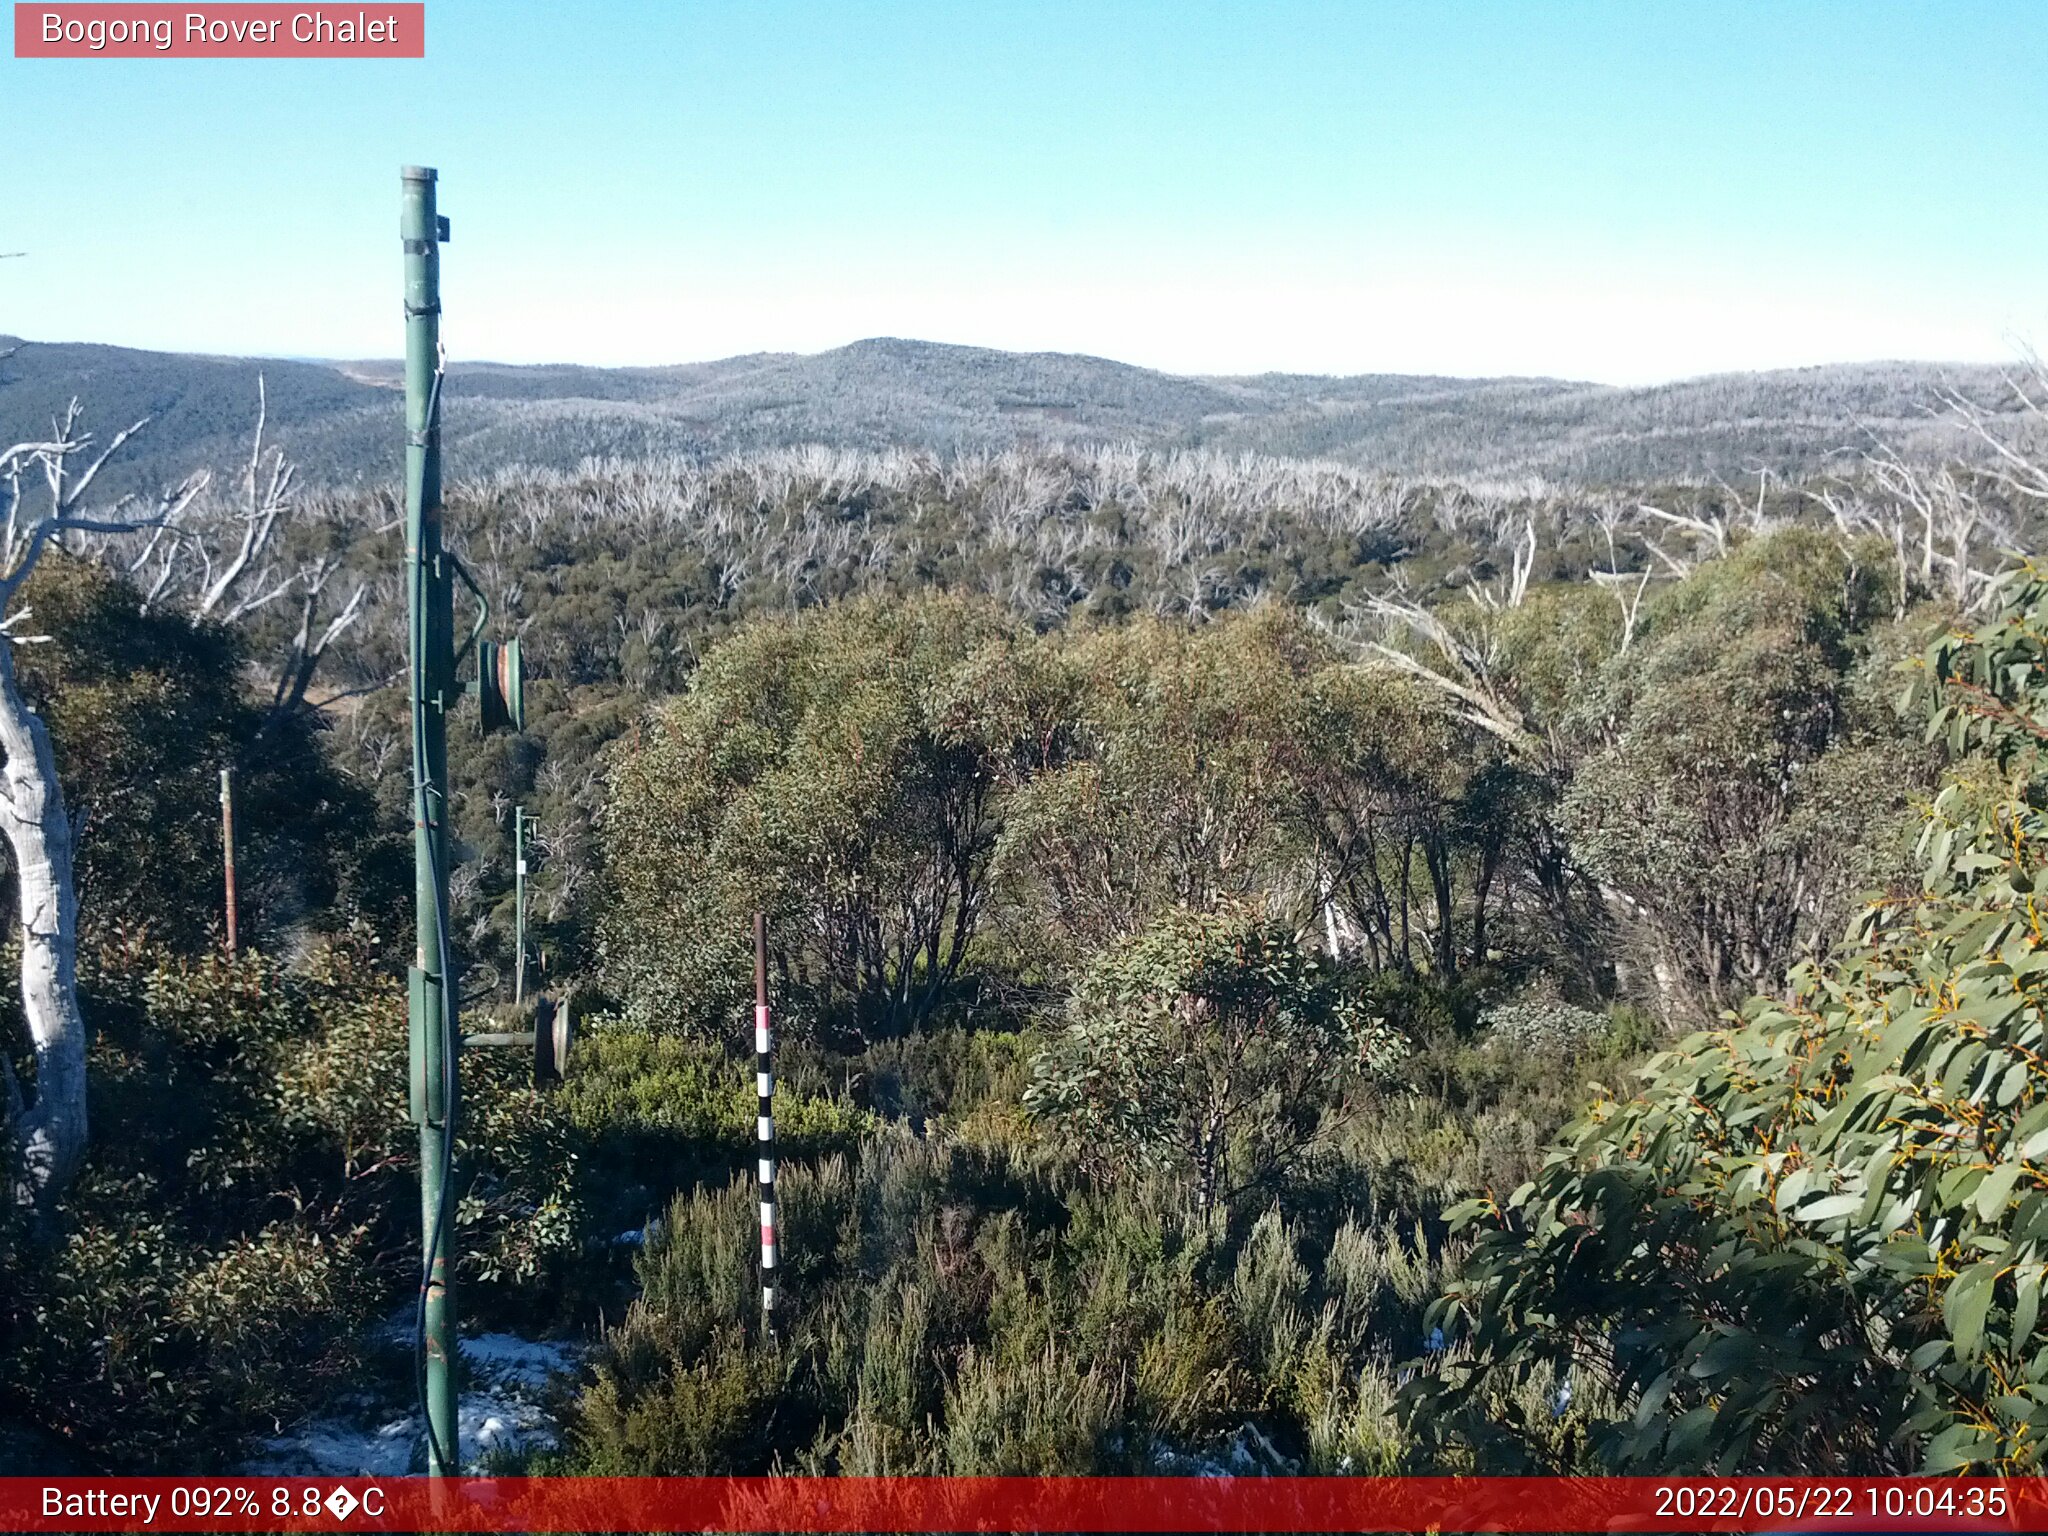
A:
[654,1114]
[249,1202]
[1552,1028]
[952,1307]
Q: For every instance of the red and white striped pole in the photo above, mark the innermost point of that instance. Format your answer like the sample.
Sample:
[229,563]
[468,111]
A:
[227,847]
[764,1083]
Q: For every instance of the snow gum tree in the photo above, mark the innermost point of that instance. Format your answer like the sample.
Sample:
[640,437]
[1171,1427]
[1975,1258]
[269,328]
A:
[49,1126]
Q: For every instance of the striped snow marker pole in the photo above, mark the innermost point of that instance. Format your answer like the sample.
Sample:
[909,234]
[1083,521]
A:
[764,1083]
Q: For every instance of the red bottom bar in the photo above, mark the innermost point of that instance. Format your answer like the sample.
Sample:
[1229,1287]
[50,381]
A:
[884,1504]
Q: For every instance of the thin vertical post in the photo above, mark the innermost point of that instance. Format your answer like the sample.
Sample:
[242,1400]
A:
[519,904]
[436,1040]
[227,847]
[764,1083]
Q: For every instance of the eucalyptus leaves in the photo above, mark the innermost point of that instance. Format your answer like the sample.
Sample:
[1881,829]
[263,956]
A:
[1209,1044]
[1818,1236]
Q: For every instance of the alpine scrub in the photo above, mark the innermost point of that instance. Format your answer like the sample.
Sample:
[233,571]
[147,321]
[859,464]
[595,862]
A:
[1207,1043]
[1818,1236]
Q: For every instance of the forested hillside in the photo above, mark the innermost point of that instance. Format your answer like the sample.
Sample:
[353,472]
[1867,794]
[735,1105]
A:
[887,394]
[1207,893]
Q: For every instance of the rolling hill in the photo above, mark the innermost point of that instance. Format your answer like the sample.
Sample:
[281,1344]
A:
[340,420]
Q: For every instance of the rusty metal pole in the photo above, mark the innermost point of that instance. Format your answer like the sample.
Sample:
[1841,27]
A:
[227,847]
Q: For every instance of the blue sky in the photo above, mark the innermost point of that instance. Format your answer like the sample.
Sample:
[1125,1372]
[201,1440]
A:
[1617,191]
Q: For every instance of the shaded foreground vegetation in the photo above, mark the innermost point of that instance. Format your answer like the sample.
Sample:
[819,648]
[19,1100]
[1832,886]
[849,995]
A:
[1205,901]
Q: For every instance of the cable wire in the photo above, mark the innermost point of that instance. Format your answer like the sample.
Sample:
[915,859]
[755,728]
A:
[444,1022]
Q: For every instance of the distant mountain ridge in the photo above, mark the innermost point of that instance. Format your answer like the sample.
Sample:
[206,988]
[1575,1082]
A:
[340,420]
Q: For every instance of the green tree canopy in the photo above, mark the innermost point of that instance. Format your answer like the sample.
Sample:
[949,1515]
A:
[1184,779]
[144,711]
[1208,1044]
[1818,1237]
[837,770]
[1742,775]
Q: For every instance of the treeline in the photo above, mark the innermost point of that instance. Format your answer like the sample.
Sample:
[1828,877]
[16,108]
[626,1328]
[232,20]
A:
[944,809]
[620,578]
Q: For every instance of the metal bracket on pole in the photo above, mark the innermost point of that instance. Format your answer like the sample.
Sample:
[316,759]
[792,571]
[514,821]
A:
[550,1039]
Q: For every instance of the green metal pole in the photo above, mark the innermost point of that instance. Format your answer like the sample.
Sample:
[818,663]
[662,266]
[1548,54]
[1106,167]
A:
[519,903]
[435,1038]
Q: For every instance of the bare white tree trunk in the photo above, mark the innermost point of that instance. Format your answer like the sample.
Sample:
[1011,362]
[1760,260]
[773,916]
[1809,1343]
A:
[50,1132]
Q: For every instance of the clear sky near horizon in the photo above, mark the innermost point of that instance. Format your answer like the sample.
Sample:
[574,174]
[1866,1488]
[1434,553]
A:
[1617,191]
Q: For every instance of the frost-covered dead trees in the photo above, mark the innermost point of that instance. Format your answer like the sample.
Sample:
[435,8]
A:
[1953,526]
[223,556]
[1043,530]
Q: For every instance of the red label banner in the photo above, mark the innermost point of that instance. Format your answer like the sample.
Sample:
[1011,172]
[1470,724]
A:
[371,30]
[820,1504]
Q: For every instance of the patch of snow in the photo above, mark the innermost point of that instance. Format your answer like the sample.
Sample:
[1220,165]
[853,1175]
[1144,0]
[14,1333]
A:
[1249,1453]
[1183,1464]
[367,1438]
[509,1359]
[344,1447]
